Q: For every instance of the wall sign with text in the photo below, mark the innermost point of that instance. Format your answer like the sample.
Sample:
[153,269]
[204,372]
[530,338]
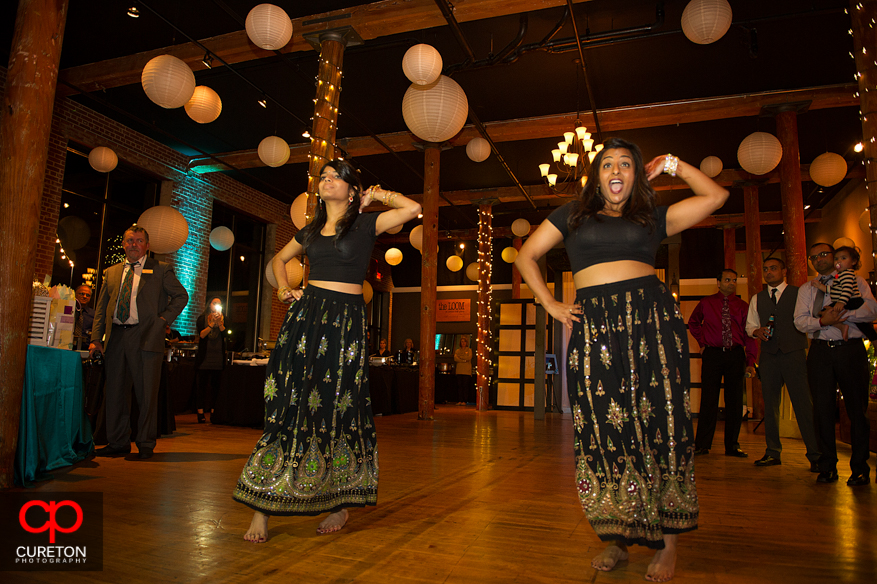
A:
[453,310]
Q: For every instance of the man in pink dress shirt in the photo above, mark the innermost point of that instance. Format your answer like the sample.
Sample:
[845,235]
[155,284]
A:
[718,324]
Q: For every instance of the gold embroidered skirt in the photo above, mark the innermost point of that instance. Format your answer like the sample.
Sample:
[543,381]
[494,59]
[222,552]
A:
[628,382]
[319,449]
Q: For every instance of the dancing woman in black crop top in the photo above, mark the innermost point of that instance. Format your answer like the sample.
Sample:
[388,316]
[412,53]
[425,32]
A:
[627,360]
[318,452]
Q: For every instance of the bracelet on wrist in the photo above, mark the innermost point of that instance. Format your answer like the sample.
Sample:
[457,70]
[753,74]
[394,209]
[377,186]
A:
[670,164]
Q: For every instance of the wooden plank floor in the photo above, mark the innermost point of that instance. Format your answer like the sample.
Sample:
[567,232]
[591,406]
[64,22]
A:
[467,498]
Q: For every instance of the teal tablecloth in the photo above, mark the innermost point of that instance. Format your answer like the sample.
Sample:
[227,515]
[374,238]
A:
[54,430]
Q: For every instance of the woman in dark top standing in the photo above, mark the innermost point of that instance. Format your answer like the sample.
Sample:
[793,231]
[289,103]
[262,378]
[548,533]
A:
[210,359]
[627,362]
[319,452]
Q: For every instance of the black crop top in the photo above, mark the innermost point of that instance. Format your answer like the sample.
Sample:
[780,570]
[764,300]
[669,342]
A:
[348,262]
[609,239]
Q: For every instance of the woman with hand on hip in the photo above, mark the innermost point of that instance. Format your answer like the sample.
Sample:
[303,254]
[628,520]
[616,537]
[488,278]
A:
[318,453]
[627,362]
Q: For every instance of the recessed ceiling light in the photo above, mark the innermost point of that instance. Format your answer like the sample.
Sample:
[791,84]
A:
[859,147]
[263,103]
[133,12]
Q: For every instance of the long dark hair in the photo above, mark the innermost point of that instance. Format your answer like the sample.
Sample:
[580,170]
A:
[207,309]
[351,176]
[638,208]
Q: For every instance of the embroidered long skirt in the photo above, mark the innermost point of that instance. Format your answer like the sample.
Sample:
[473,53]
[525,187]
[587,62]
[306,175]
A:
[319,449]
[628,383]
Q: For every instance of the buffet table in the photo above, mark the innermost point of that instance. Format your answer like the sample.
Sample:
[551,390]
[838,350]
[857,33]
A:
[241,399]
[54,431]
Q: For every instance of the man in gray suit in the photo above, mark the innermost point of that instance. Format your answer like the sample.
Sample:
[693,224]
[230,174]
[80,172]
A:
[783,359]
[137,299]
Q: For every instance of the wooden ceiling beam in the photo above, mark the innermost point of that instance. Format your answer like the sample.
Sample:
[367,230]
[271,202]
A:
[611,120]
[371,21]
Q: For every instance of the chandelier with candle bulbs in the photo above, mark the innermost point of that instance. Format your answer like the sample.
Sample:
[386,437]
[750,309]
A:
[571,161]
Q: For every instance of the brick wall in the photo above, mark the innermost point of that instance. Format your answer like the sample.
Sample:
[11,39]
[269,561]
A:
[193,196]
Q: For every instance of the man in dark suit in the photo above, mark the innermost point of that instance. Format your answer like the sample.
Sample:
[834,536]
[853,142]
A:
[84,317]
[137,300]
[783,360]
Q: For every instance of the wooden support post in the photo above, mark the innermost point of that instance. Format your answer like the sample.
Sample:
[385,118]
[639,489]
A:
[539,373]
[795,239]
[485,338]
[730,235]
[753,274]
[516,275]
[862,15]
[428,281]
[24,145]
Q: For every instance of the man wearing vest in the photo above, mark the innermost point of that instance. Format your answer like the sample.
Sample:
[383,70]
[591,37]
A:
[782,360]
[832,363]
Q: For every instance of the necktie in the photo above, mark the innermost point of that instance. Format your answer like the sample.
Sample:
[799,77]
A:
[773,295]
[819,299]
[124,310]
[727,339]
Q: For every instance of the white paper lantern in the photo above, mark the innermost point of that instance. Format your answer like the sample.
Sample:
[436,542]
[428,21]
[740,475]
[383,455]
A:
[416,237]
[435,112]
[167,228]
[73,232]
[269,27]
[520,227]
[711,166]
[274,151]
[298,210]
[394,230]
[472,271]
[294,272]
[706,21]
[454,263]
[221,238]
[509,255]
[844,242]
[828,169]
[865,221]
[168,81]
[367,292]
[393,256]
[478,149]
[204,106]
[422,64]
[759,153]
[102,159]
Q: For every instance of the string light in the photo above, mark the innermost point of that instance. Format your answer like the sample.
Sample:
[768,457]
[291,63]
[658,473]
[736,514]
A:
[485,301]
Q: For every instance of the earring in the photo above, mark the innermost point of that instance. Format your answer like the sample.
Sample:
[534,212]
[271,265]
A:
[350,200]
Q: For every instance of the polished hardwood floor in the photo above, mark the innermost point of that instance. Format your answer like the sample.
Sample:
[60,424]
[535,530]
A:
[467,498]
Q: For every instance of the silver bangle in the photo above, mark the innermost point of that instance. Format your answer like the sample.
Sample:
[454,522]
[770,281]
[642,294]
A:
[670,164]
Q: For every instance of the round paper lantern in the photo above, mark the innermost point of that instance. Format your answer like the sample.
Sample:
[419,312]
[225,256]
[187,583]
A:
[274,151]
[422,64]
[394,230]
[221,238]
[865,221]
[520,227]
[435,112]
[168,81]
[269,27]
[73,232]
[367,292]
[844,242]
[509,255]
[711,166]
[298,210]
[294,272]
[167,228]
[454,263]
[416,237]
[102,159]
[204,106]
[472,271]
[706,21]
[759,153]
[478,149]
[393,256]
[828,169]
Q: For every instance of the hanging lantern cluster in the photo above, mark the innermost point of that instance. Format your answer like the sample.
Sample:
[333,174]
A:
[422,64]
[204,106]
[269,27]
[435,112]
[167,228]
[706,21]
[455,263]
[828,169]
[711,166]
[478,149]
[273,151]
[759,153]
[393,256]
[168,81]
[102,159]
[416,238]
[367,291]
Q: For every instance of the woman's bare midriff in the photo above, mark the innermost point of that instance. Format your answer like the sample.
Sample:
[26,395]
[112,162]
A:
[609,272]
[343,287]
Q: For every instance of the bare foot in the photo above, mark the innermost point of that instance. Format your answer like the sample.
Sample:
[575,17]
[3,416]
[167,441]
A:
[334,522]
[609,558]
[663,566]
[258,532]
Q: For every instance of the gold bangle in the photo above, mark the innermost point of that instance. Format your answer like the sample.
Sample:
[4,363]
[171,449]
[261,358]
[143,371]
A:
[282,291]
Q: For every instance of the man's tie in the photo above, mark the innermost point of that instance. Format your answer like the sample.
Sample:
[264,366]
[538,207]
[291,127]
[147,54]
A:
[124,310]
[819,299]
[727,337]
[773,296]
